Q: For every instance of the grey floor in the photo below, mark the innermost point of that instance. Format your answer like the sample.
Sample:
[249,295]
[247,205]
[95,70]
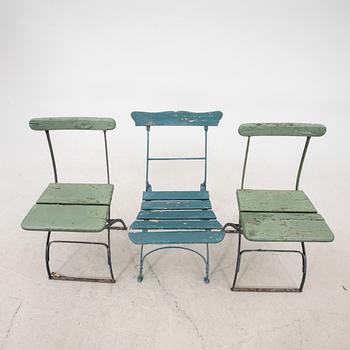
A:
[172,308]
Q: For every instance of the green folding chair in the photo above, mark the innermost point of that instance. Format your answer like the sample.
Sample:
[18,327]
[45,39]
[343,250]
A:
[173,218]
[278,215]
[73,207]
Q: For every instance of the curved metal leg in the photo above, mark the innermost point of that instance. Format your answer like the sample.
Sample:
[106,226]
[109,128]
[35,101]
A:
[140,276]
[47,255]
[109,258]
[303,255]
[238,262]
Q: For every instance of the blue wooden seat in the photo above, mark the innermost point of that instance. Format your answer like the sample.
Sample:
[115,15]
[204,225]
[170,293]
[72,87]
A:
[278,215]
[73,207]
[170,218]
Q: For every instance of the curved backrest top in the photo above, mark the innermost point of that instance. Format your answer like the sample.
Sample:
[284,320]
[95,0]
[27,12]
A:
[282,129]
[179,118]
[72,123]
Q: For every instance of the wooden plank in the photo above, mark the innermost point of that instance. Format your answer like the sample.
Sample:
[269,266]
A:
[180,118]
[176,214]
[176,204]
[72,123]
[285,227]
[68,218]
[175,195]
[176,224]
[274,201]
[177,237]
[75,193]
[282,129]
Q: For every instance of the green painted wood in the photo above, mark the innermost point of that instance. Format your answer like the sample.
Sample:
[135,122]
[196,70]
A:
[74,193]
[177,237]
[274,201]
[176,214]
[285,227]
[68,218]
[176,204]
[175,195]
[72,123]
[282,129]
[180,118]
[176,225]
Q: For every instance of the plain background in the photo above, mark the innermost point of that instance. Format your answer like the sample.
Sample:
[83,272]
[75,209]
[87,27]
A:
[256,61]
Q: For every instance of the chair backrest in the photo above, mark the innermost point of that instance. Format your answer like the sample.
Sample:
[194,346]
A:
[307,130]
[179,118]
[72,123]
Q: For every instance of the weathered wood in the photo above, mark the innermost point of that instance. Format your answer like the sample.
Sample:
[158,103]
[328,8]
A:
[175,195]
[274,201]
[285,227]
[180,118]
[176,225]
[176,204]
[68,218]
[282,129]
[74,193]
[176,237]
[176,214]
[72,123]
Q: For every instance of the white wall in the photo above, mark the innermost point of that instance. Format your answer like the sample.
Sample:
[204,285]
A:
[254,60]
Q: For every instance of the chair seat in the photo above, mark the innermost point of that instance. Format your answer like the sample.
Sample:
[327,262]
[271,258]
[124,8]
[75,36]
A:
[274,201]
[285,227]
[74,193]
[70,218]
[188,212]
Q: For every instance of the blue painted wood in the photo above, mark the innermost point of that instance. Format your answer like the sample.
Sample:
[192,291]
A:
[176,195]
[72,123]
[180,118]
[282,129]
[176,214]
[176,237]
[176,204]
[176,224]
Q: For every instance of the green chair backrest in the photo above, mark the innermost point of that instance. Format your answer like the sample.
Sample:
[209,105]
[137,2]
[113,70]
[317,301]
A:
[73,123]
[307,130]
[179,118]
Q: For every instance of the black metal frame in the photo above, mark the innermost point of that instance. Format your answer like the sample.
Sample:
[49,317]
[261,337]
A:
[109,226]
[234,288]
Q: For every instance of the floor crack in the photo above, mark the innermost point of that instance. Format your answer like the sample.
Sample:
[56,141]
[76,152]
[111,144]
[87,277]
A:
[178,308]
[10,327]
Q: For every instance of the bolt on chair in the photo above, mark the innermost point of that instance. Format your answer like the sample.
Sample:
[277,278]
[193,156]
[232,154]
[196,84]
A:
[174,218]
[74,207]
[278,215]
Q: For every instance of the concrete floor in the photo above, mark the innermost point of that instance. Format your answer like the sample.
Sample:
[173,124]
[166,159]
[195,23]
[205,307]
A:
[172,308]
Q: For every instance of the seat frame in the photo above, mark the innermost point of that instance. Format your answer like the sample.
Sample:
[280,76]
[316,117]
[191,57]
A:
[273,129]
[180,118]
[79,123]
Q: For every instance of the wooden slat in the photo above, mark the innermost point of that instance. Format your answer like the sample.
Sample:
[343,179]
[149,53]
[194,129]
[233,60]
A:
[176,224]
[175,195]
[285,227]
[176,204]
[274,201]
[176,214]
[72,123]
[282,129]
[69,218]
[74,193]
[176,237]
[180,118]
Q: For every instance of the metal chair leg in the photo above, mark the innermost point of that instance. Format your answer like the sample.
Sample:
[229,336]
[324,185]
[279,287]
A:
[140,276]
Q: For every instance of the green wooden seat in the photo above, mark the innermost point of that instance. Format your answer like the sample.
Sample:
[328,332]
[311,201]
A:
[170,218]
[278,215]
[73,207]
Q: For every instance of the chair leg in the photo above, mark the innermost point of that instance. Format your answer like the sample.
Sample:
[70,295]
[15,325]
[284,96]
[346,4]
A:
[206,278]
[58,276]
[234,288]
[140,276]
